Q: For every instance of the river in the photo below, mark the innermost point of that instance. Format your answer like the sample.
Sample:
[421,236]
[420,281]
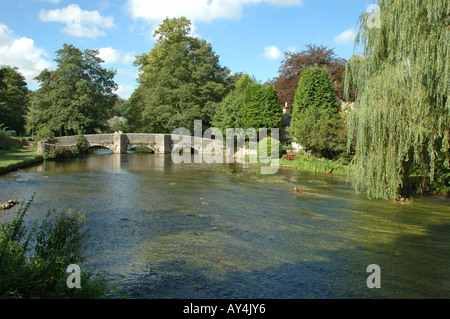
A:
[165,230]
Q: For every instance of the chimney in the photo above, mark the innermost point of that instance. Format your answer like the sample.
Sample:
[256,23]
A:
[285,108]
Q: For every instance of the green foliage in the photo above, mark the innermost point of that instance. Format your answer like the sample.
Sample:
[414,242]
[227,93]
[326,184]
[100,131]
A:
[43,134]
[81,143]
[315,164]
[441,183]
[33,260]
[272,108]
[321,132]
[121,108]
[61,152]
[261,108]
[249,105]
[315,90]
[14,98]
[316,123]
[269,146]
[228,112]
[3,138]
[180,81]
[252,115]
[117,123]
[401,122]
[78,95]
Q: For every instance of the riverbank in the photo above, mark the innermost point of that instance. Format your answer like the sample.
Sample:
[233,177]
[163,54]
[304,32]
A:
[315,164]
[19,156]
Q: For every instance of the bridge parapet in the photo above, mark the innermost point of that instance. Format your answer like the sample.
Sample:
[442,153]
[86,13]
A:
[118,143]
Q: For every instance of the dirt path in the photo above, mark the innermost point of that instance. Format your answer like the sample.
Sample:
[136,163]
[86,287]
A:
[26,147]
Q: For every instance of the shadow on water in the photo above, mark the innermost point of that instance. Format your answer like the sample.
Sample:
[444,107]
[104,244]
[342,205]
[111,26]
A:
[342,274]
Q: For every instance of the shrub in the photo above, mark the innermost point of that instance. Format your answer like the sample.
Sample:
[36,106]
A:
[268,146]
[80,141]
[441,182]
[43,134]
[39,271]
[117,123]
[60,152]
[4,138]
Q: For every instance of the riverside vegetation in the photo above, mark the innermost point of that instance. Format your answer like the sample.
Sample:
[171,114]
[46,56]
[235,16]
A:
[33,260]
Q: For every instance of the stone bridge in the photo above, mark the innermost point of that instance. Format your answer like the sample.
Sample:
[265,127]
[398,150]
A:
[121,143]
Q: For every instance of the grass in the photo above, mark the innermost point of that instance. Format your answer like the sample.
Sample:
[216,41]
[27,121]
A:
[315,164]
[18,156]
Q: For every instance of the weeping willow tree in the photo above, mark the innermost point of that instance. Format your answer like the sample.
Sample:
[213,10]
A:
[400,127]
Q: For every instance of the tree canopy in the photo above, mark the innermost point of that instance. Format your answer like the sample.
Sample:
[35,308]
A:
[228,112]
[316,123]
[261,108]
[401,121]
[180,79]
[77,96]
[14,98]
[294,64]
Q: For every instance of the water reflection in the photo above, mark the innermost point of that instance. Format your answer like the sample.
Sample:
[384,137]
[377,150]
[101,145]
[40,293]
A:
[226,231]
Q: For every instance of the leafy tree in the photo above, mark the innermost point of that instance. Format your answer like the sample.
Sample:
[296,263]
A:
[121,108]
[272,108]
[252,111]
[316,123]
[401,122]
[228,112]
[295,63]
[261,108]
[180,79]
[77,96]
[117,123]
[270,146]
[14,98]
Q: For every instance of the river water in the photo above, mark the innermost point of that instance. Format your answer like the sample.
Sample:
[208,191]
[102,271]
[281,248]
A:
[165,230]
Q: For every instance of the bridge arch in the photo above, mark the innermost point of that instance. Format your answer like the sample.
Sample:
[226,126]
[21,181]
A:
[94,147]
[180,148]
[141,146]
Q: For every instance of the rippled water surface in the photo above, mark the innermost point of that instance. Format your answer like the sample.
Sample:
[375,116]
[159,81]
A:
[165,230]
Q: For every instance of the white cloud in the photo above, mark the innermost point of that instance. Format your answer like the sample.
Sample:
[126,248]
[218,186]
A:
[79,23]
[345,37]
[272,52]
[110,55]
[195,10]
[22,52]
[51,1]
[125,91]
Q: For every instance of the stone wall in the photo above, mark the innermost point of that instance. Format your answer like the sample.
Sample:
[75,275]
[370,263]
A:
[120,143]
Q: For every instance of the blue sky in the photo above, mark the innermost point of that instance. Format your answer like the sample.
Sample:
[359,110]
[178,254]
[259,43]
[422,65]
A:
[249,35]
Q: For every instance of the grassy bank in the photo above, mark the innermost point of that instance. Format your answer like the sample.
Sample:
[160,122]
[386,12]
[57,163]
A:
[18,156]
[314,164]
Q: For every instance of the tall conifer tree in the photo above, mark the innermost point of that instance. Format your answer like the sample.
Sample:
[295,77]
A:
[316,123]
